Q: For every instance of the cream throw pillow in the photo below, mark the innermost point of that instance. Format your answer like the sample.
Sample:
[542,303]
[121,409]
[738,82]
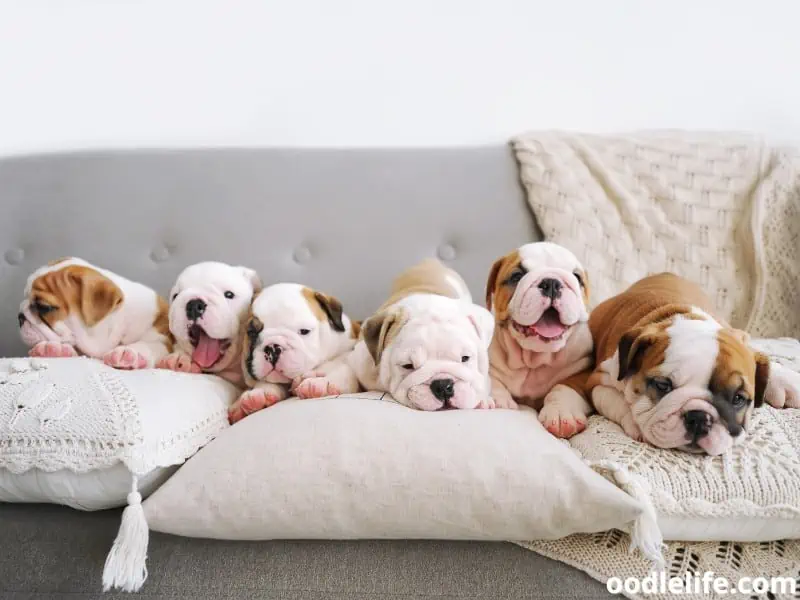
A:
[362,467]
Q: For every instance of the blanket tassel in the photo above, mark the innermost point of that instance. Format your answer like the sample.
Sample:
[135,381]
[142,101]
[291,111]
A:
[645,534]
[126,563]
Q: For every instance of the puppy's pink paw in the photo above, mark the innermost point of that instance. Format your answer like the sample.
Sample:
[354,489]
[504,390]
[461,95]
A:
[316,387]
[53,350]
[487,403]
[178,362]
[125,357]
[561,423]
[250,402]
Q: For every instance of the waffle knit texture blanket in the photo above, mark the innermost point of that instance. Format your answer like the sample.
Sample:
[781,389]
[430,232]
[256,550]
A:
[720,209]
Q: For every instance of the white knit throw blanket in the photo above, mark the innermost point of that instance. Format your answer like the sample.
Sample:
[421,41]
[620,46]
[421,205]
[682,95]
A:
[721,209]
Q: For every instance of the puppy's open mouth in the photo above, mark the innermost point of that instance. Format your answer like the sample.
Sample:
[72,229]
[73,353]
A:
[207,351]
[548,328]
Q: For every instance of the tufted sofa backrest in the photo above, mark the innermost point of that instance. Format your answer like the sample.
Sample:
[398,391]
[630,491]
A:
[342,221]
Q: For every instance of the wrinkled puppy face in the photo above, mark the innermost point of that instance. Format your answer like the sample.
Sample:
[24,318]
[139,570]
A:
[690,383]
[539,293]
[432,355]
[291,330]
[208,306]
[71,302]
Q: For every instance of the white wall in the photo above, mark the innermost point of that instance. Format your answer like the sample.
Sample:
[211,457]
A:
[89,73]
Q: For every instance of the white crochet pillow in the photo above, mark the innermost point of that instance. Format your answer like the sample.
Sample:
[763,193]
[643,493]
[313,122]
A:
[76,432]
[750,494]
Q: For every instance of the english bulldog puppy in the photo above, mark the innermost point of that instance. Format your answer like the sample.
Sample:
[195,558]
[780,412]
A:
[673,375]
[295,336]
[74,308]
[542,346]
[207,312]
[427,345]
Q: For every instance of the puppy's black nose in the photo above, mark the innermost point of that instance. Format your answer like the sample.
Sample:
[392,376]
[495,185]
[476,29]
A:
[551,288]
[273,353]
[443,389]
[21,319]
[698,423]
[195,309]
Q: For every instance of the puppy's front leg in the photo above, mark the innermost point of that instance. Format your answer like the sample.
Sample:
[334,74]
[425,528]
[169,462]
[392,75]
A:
[331,379]
[566,411]
[263,395]
[500,396]
[144,354]
[610,403]
[178,361]
[783,387]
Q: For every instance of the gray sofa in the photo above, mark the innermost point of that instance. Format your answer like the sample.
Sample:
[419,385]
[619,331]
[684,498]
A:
[343,221]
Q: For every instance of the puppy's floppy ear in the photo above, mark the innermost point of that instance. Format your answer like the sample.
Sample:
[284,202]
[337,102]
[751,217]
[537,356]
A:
[492,281]
[585,285]
[332,309]
[98,296]
[483,322]
[252,277]
[631,349]
[762,378]
[379,330]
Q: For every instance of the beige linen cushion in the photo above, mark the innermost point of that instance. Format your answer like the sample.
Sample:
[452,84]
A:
[362,467]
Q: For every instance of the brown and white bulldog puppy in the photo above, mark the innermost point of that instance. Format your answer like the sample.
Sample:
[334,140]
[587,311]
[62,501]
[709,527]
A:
[73,308]
[208,309]
[539,294]
[673,375]
[295,337]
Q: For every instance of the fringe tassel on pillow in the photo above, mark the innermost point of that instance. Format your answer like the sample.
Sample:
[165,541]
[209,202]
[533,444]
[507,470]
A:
[645,534]
[126,563]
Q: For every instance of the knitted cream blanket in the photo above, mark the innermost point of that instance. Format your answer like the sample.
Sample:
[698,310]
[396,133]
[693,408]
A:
[720,209]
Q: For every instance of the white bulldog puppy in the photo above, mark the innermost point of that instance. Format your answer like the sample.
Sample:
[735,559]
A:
[73,308]
[427,345]
[208,309]
[542,344]
[295,336]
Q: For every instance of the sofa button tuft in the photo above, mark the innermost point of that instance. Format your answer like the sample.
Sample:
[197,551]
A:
[160,254]
[446,252]
[15,256]
[302,255]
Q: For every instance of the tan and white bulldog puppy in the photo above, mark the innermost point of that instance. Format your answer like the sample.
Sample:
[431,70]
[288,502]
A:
[675,376]
[295,336]
[427,345]
[539,294]
[208,309]
[74,308]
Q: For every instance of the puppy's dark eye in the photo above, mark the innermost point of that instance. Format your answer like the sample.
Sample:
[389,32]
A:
[661,384]
[739,400]
[465,359]
[42,309]
[230,295]
[579,277]
[516,276]
[305,331]
[174,296]
[408,366]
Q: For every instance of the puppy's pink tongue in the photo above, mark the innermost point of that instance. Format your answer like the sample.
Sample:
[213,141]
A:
[549,325]
[207,352]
